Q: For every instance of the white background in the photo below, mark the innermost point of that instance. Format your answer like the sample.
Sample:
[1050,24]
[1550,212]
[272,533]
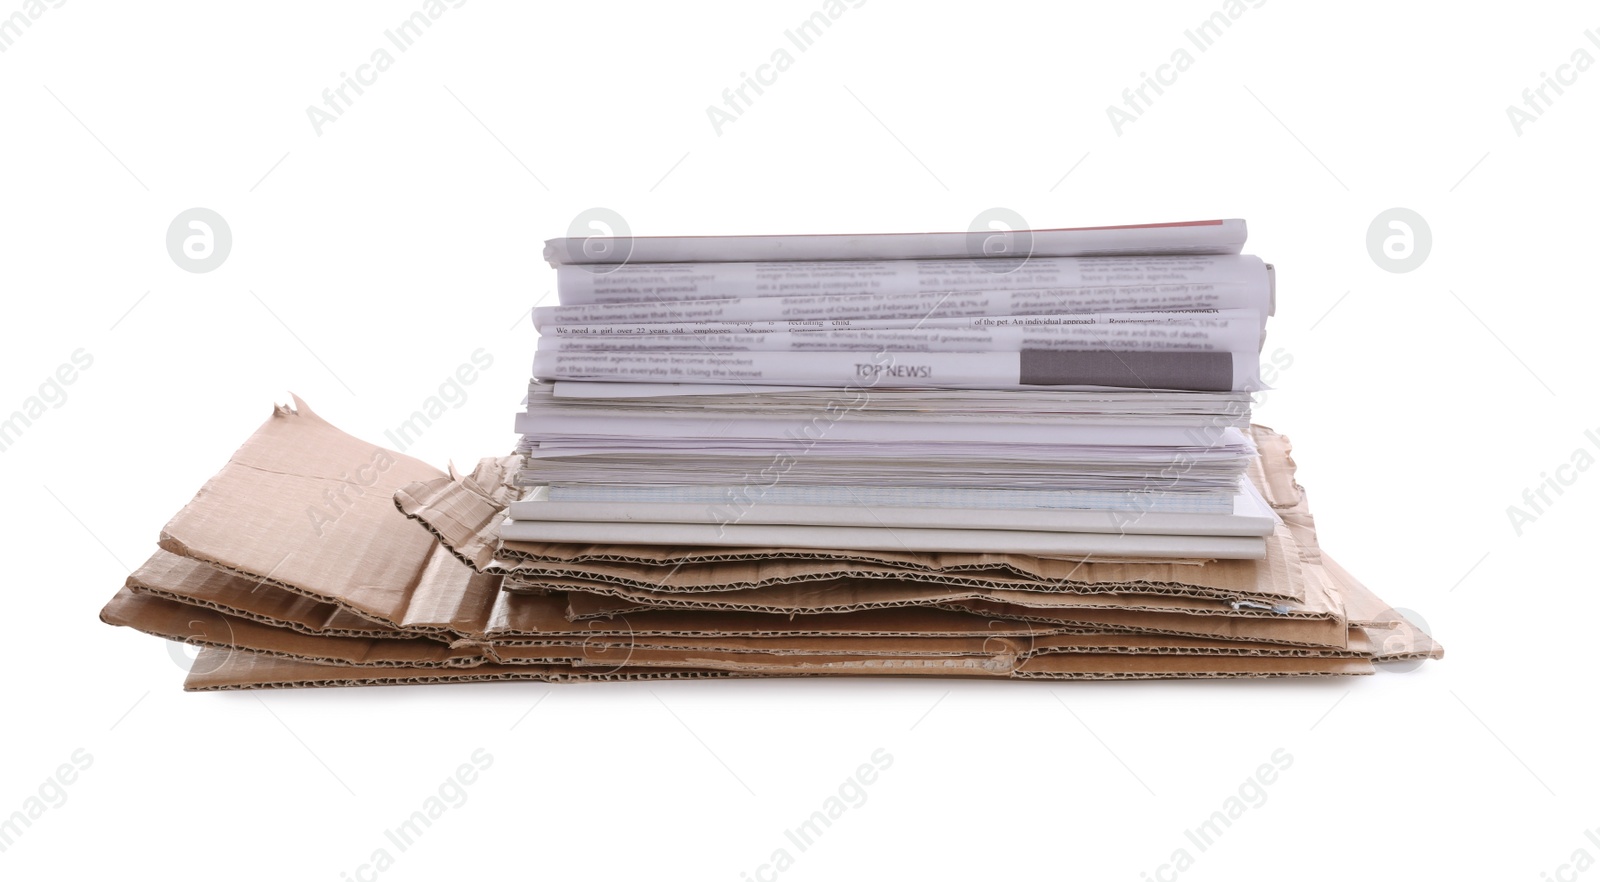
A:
[372,259]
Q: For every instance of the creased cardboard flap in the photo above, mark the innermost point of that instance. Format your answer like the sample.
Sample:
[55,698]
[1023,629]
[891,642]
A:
[309,508]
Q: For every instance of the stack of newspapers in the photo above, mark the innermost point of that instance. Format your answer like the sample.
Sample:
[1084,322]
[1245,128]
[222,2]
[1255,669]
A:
[1026,456]
[1089,395]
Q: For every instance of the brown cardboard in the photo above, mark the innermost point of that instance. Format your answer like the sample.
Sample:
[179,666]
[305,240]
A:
[1158,644]
[1230,579]
[632,650]
[207,628]
[847,595]
[541,619]
[835,665]
[464,510]
[1149,667]
[219,670]
[1273,474]
[535,617]
[1061,666]
[188,581]
[306,507]
[1395,636]
[1282,630]
[990,655]
[986,656]
[298,564]
[139,606]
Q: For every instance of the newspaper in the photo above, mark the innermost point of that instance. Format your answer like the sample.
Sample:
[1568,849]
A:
[1186,237]
[1076,369]
[919,306]
[1237,333]
[660,282]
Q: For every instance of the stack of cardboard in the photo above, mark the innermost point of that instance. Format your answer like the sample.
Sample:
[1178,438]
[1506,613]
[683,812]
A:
[314,558]
[297,565]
